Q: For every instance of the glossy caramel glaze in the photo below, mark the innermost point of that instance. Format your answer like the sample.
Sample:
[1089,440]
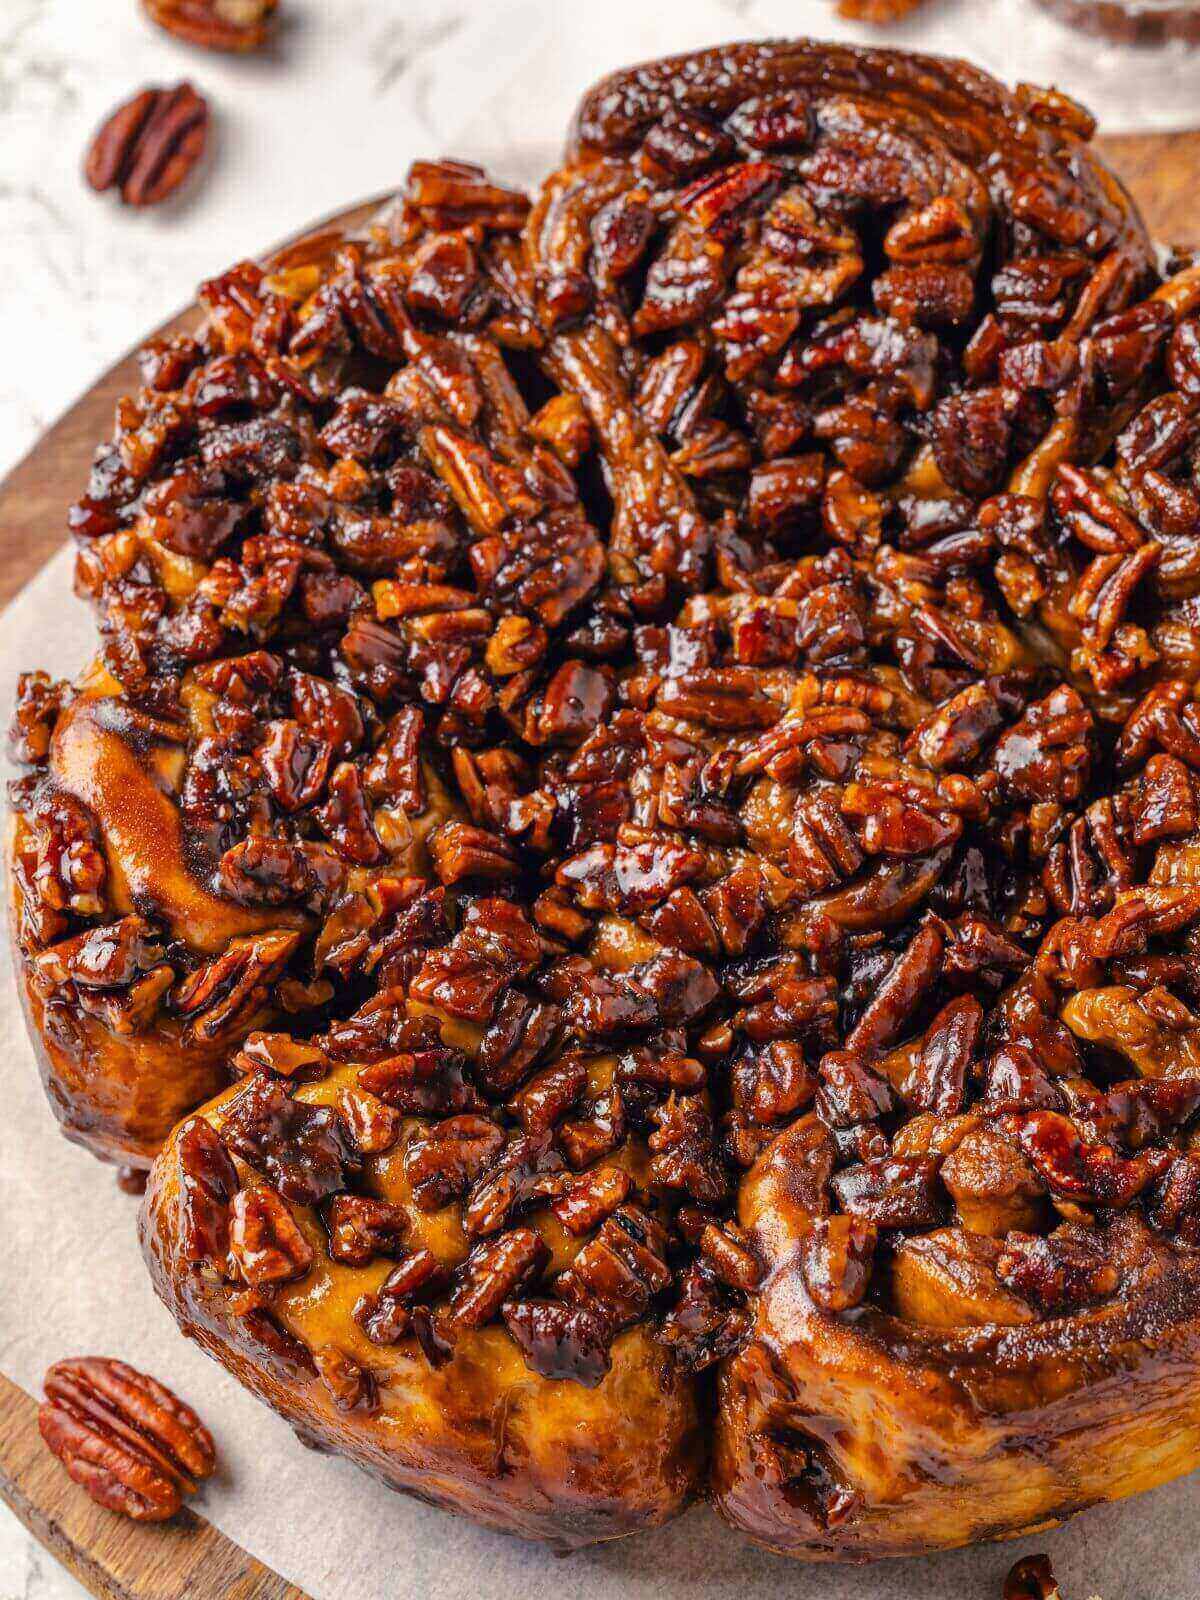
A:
[104,758]
[120,1091]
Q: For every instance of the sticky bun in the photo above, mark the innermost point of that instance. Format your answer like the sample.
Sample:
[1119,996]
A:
[634,825]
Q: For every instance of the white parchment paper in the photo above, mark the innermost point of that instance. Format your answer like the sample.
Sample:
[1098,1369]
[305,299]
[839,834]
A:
[71,1278]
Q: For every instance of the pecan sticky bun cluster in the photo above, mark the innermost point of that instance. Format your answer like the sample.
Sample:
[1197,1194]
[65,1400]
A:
[644,748]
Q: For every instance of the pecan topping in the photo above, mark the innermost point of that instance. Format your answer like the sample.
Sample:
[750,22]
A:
[208,1182]
[148,146]
[133,1446]
[305,1150]
[222,992]
[492,1272]
[559,1341]
[443,1162]
[266,1245]
[360,1228]
[386,1316]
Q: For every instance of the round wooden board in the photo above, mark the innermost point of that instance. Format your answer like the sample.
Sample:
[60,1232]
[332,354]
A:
[1160,170]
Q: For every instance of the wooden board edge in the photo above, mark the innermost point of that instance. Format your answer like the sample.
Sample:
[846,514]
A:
[113,1557]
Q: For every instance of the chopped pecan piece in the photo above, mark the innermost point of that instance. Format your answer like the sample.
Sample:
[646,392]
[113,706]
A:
[705,1325]
[560,1341]
[492,1272]
[237,25]
[892,1191]
[461,852]
[1031,1578]
[443,1161]
[428,1081]
[684,1150]
[361,1227]
[526,1173]
[266,1245]
[223,992]
[351,1387]
[1061,1271]
[621,1270]
[208,1182]
[386,1315]
[306,1151]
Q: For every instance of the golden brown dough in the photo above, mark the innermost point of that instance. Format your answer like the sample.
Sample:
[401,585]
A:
[482,1433]
[119,1079]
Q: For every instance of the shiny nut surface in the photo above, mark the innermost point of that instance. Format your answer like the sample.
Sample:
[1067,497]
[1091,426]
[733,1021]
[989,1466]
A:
[124,1437]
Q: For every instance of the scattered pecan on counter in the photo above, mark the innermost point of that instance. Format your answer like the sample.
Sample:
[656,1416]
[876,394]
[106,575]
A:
[230,25]
[149,145]
[125,1438]
[1137,22]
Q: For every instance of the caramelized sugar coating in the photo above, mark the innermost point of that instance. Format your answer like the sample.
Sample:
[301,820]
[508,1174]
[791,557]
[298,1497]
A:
[692,689]
[381,1278]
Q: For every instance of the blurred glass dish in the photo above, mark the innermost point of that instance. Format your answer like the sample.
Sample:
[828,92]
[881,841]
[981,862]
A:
[1133,21]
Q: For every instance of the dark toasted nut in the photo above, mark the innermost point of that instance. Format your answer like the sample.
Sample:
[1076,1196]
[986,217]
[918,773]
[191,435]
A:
[149,145]
[266,1245]
[124,1437]
[1031,1578]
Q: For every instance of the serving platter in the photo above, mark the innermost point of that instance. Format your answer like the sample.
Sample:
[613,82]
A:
[113,1558]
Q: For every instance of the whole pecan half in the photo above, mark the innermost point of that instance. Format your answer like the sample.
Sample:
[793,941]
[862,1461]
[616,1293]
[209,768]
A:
[149,145]
[126,1439]
[237,25]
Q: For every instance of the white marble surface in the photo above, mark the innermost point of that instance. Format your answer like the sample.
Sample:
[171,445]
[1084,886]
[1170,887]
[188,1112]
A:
[353,90]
